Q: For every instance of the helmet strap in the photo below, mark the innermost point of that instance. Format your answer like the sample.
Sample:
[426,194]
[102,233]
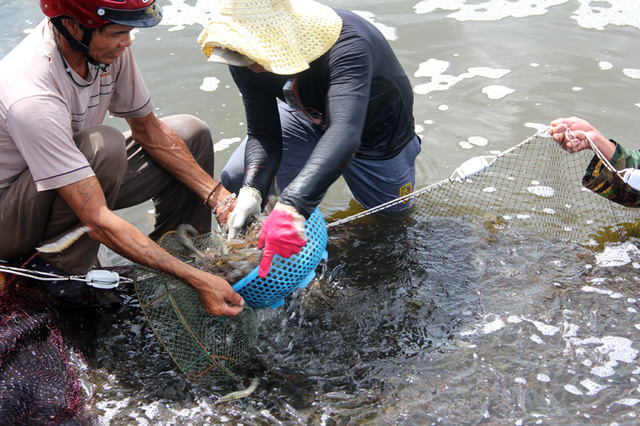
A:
[78,46]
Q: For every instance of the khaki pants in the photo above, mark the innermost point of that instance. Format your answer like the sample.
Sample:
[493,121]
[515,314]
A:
[128,176]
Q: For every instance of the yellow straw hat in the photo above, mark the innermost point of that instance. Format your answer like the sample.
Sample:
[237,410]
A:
[283,36]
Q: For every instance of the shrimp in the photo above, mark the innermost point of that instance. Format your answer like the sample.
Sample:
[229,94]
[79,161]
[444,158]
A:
[64,242]
[184,233]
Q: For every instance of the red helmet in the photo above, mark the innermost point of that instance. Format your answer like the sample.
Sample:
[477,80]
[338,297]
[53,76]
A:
[94,13]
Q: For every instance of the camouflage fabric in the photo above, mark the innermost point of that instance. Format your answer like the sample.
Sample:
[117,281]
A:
[599,179]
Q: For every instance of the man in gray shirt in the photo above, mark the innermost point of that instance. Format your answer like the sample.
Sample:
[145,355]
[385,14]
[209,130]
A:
[61,168]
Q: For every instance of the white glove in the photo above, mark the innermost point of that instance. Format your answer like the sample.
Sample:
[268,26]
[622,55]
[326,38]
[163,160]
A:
[631,177]
[249,204]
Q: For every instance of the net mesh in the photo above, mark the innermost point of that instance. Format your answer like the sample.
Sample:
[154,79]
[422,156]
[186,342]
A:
[39,380]
[535,185]
[208,349]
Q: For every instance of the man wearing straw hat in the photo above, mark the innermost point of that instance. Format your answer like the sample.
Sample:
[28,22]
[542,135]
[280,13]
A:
[61,168]
[346,108]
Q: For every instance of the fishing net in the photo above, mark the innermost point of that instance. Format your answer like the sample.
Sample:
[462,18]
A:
[535,185]
[39,369]
[206,348]
[213,348]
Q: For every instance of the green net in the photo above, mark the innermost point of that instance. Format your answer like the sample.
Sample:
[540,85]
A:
[535,185]
[206,348]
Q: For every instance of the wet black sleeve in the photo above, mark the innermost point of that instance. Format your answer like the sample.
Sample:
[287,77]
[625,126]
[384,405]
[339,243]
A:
[350,74]
[264,135]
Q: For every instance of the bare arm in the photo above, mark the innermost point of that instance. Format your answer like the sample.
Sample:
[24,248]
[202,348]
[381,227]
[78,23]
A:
[170,152]
[581,129]
[87,200]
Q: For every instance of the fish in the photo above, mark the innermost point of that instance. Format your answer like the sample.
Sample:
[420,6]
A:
[241,393]
[64,241]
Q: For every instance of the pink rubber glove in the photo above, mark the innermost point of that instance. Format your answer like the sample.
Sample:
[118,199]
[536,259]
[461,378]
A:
[282,233]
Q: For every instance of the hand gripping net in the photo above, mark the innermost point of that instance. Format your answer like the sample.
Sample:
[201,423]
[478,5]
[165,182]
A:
[535,185]
[208,349]
[206,346]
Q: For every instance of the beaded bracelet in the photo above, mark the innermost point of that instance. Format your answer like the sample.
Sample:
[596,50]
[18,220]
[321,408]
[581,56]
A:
[228,200]
[206,200]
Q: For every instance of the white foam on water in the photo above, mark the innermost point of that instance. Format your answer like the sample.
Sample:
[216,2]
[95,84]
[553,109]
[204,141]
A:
[224,144]
[390,33]
[572,389]
[541,191]
[616,255]
[537,339]
[589,14]
[209,84]
[605,66]
[633,73]
[435,68]
[495,91]
[478,140]
[612,350]
[593,387]
[539,127]
[597,15]
[473,141]
[493,326]
[514,319]
[630,402]
[490,10]
[545,329]
[543,378]
[612,294]
[111,408]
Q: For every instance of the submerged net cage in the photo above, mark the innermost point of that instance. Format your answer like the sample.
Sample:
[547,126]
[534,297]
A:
[535,185]
[214,348]
[206,348]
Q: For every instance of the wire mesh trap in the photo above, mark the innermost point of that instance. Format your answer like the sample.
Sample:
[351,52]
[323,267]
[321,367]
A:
[206,348]
[214,348]
[535,185]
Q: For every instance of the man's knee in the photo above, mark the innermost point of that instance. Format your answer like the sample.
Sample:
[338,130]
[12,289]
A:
[104,148]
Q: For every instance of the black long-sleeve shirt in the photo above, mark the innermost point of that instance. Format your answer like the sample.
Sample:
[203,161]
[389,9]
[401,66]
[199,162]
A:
[367,102]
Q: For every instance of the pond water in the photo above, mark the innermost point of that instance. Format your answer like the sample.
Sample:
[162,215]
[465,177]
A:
[429,321]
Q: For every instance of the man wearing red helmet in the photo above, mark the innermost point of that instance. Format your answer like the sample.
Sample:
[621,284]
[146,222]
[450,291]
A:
[61,168]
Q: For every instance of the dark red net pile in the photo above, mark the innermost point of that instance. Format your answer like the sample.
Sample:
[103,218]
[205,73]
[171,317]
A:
[39,383]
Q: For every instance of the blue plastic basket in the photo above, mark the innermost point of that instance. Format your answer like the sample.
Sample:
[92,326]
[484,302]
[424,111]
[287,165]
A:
[286,275]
